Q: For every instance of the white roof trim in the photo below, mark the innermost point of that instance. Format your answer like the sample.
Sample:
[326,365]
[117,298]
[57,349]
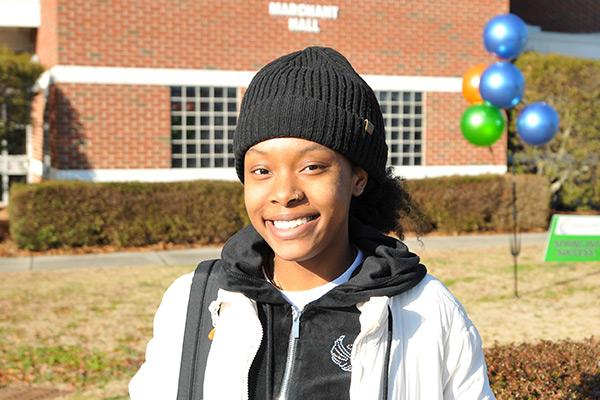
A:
[198,77]
[20,13]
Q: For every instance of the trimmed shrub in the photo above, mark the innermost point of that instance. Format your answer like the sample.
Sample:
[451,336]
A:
[58,214]
[55,214]
[545,370]
[459,204]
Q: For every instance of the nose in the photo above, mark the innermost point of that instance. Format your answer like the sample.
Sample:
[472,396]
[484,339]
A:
[285,191]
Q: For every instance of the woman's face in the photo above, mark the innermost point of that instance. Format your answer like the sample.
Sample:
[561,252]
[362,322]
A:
[297,195]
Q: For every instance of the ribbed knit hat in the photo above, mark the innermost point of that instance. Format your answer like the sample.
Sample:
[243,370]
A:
[313,94]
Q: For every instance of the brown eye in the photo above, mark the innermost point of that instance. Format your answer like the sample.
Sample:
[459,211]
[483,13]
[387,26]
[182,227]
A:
[260,171]
[313,167]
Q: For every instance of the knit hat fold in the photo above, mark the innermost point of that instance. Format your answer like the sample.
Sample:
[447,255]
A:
[316,95]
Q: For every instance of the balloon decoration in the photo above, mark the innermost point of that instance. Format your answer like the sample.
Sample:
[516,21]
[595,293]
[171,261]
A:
[505,36]
[482,124]
[502,84]
[537,123]
[470,85]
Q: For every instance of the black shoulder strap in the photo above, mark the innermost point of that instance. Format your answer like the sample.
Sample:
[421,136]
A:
[196,345]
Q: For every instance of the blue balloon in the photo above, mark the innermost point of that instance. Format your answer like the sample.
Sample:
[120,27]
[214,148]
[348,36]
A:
[502,84]
[537,123]
[505,35]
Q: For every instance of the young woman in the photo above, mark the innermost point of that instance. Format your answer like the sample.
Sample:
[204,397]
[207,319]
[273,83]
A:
[316,301]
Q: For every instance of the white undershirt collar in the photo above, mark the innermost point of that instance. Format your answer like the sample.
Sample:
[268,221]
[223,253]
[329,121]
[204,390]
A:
[300,298]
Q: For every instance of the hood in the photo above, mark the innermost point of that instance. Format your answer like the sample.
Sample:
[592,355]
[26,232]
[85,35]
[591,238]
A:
[388,268]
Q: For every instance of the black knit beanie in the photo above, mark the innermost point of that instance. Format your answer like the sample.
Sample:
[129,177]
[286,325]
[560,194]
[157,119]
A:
[313,94]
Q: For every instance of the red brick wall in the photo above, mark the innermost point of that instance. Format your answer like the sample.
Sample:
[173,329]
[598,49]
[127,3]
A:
[112,126]
[47,36]
[109,126]
[400,37]
[37,126]
[445,144]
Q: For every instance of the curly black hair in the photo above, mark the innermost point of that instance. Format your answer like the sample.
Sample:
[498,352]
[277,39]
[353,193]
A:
[388,205]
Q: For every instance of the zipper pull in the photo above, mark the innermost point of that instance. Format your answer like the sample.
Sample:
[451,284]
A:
[296,323]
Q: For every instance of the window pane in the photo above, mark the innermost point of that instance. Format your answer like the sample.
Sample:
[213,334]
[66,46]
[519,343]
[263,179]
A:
[203,121]
[402,112]
[176,91]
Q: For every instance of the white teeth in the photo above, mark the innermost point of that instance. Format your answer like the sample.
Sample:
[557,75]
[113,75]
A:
[292,224]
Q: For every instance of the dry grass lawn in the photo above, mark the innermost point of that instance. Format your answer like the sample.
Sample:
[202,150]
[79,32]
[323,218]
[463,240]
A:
[85,330]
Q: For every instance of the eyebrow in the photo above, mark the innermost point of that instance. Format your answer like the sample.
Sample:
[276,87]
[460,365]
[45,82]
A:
[307,149]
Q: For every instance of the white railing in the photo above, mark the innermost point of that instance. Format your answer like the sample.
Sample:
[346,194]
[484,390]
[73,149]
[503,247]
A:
[10,165]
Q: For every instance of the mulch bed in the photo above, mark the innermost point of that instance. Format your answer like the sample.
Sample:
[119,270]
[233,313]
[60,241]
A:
[546,370]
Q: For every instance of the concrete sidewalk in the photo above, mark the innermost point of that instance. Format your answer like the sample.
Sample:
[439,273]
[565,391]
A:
[192,257]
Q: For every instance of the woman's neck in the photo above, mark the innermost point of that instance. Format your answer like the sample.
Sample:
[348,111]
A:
[311,273]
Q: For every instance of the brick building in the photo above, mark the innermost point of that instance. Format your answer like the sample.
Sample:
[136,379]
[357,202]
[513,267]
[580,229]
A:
[150,90]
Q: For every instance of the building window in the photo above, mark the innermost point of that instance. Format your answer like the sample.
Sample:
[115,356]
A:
[203,120]
[403,116]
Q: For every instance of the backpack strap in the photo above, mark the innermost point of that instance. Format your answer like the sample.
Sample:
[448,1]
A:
[205,285]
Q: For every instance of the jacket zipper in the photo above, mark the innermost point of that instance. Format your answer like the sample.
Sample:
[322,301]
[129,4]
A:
[291,354]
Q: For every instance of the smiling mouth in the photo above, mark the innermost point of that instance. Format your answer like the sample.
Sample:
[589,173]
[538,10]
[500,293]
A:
[291,224]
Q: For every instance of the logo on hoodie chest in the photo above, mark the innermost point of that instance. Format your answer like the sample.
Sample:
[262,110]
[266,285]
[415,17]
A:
[341,354]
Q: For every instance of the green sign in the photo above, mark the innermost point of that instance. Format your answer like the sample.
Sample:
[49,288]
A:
[574,238]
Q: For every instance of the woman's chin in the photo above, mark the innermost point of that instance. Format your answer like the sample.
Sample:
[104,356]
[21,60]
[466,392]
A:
[297,252]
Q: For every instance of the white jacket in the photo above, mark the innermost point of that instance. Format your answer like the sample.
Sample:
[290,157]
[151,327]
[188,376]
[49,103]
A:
[436,351]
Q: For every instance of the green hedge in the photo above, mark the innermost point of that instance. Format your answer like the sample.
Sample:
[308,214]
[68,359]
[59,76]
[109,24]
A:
[56,214]
[461,204]
[71,214]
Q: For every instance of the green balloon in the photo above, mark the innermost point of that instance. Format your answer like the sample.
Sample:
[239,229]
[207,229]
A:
[482,124]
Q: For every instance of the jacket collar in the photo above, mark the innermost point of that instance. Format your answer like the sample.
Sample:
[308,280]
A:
[388,268]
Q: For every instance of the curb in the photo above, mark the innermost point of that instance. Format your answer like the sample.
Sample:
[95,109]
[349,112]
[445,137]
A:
[191,257]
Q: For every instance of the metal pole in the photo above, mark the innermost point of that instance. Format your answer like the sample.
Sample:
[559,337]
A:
[515,239]
[4,170]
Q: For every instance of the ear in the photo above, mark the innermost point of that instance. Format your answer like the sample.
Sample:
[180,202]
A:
[359,181]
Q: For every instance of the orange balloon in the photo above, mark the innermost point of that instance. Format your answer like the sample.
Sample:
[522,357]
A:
[470,84]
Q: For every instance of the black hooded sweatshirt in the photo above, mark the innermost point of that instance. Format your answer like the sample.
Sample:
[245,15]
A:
[319,366]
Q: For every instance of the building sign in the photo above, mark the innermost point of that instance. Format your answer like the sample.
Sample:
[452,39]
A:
[303,17]
[574,238]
